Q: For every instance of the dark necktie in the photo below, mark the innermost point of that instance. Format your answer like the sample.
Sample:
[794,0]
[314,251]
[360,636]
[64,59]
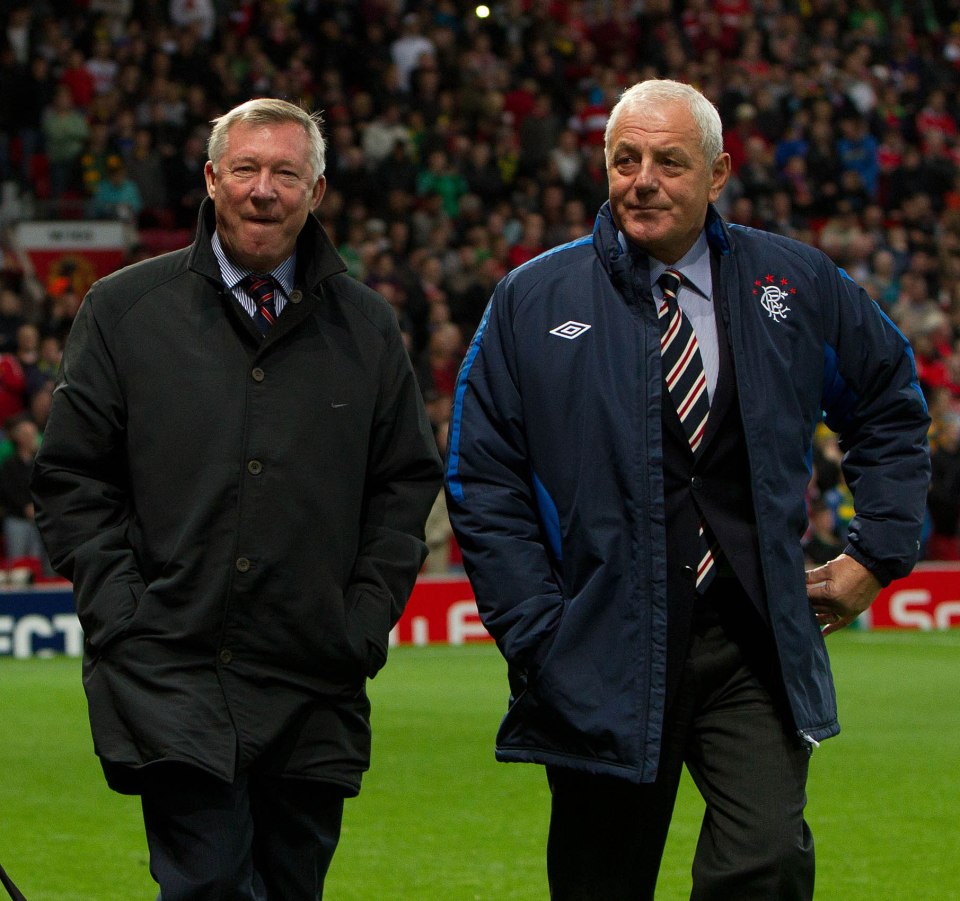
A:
[261,289]
[687,384]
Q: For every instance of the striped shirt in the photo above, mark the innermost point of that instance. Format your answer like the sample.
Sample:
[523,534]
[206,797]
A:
[232,275]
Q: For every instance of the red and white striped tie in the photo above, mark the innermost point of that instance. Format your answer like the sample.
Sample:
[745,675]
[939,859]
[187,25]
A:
[687,384]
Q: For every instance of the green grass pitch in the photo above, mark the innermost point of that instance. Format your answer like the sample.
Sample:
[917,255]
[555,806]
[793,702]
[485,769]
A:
[438,818]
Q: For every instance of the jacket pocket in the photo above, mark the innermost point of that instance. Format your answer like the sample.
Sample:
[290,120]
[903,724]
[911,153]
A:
[107,616]
[368,629]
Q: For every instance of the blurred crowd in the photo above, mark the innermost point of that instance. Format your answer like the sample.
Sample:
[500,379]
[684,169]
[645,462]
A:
[461,145]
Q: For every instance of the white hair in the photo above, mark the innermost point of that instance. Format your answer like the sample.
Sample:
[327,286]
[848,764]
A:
[663,90]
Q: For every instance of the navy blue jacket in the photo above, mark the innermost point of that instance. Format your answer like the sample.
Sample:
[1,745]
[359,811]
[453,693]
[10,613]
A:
[555,477]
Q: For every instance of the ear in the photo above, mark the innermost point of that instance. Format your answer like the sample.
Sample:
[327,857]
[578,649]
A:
[319,189]
[211,178]
[719,175]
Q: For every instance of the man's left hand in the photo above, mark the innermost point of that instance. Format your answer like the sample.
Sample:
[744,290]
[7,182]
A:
[840,591]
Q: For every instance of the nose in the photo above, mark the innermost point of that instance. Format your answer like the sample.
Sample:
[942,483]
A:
[263,187]
[646,179]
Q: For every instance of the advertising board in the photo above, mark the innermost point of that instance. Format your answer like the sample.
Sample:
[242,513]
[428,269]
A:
[40,621]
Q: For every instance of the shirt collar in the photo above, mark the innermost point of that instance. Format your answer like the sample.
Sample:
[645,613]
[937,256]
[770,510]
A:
[233,274]
[694,266]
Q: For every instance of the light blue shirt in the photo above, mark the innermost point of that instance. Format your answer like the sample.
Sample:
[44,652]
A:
[232,275]
[695,299]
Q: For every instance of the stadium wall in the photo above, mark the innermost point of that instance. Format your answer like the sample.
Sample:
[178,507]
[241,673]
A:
[39,621]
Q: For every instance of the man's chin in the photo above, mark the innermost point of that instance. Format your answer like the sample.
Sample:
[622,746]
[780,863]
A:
[257,255]
[640,234]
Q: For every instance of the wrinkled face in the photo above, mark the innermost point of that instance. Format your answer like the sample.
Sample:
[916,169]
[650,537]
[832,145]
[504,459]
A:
[263,190]
[660,183]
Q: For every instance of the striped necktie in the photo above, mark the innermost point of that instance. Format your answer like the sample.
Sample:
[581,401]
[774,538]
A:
[687,384]
[261,288]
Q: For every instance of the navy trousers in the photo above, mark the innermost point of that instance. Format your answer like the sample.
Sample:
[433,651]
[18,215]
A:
[729,725]
[261,838]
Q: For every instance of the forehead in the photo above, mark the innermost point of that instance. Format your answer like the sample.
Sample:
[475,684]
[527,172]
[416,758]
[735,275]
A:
[271,140]
[663,125]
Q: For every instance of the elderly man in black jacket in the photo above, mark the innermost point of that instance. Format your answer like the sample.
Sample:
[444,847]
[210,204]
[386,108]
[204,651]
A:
[235,475]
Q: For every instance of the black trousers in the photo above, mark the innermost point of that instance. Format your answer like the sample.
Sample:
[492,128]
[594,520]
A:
[729,726]
[260,838]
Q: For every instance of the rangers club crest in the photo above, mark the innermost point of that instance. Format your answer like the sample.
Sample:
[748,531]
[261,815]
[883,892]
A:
[772,292]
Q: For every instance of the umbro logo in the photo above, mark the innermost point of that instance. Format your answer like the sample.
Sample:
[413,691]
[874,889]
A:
[570,329]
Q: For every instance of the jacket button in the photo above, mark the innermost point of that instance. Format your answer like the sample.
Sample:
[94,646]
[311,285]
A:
[689,572]
[254,467]
[696,482]
[225,656]
[296,295]
[257,374]
[243,564]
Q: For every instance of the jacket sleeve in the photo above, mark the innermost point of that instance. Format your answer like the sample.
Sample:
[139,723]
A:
[402,482]
[492,500]
[79,484]
[872,399]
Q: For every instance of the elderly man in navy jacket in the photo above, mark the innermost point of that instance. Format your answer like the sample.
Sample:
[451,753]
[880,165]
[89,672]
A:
[235,475]
[628,461]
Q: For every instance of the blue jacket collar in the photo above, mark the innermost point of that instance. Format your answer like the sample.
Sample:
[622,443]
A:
[608,247]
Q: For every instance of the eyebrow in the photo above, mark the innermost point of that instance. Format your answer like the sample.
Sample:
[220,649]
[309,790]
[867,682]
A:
[276,164]
[677,150]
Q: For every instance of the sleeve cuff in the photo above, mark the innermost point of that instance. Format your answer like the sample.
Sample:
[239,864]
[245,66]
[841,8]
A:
[883,574]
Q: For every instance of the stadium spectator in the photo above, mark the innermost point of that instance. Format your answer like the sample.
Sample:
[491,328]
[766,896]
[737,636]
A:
[822,543]
[49,355]
[239,714]
[99,153]
[13,387]
[145,167]
[437,370]
[410,49]
[382,134]
[117,196]
[196,16]
[857,152]
[441,179]
[28,355]
[78,78]
[65,133]
[11,318]
[943,501]
[61,304]
[538,135]
[184,179]
[21,540]
[584,513]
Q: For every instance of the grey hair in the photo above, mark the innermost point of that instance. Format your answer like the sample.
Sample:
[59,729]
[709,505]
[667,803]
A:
[268,111]
[663,90]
